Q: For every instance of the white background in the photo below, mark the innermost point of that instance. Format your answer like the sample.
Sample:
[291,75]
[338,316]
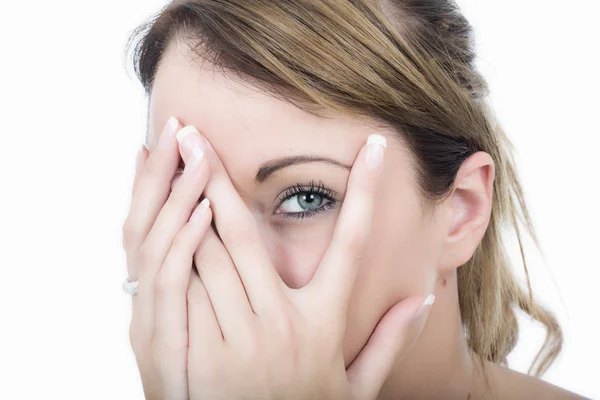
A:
[73,119]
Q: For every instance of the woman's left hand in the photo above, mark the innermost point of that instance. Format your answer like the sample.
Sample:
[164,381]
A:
[252,337]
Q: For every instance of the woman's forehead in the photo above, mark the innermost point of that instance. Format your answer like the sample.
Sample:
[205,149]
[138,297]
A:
[244,125]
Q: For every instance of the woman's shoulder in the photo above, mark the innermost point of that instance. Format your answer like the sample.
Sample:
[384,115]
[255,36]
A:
[513,385]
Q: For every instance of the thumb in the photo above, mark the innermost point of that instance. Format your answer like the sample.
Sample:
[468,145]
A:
[393,337]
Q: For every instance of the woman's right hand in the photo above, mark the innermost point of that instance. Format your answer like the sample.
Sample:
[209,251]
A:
[160,239]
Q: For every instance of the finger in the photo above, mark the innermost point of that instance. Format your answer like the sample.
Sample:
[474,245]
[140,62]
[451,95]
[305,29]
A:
[173,279]
[152,189]
[393,337]
[169,223]
[333,282]
[176,178]
[140,161]
[237,229]
[224,287]
[203,327]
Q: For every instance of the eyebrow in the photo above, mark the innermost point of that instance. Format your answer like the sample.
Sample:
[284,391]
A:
[271,167]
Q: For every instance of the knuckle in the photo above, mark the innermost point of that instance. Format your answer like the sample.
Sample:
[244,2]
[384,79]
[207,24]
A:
[180,244]
[146,252]
[130,232]
[277,323]
[165,282]
[271,313]
[286,332]
[212,264]
[249,353]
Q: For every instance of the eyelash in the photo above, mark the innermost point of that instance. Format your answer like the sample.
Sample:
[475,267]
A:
[299,189]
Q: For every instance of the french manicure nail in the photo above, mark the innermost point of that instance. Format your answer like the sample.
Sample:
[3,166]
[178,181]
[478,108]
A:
[194,139]
[429,300]
[424,307]
[376,145]
[190,139]
[201,209]
[183,132]
[168,132]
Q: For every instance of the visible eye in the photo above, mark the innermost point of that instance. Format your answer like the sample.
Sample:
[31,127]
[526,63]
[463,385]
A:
[300,202]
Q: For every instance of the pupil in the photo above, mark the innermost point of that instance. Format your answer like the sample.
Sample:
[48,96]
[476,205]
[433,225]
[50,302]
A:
[310,201]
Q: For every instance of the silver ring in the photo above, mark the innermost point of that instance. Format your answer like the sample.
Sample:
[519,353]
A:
[130,287]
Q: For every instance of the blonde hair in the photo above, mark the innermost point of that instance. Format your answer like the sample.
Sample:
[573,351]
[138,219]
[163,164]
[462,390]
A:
[408,64]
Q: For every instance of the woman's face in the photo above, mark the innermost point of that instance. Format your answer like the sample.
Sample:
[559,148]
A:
[249,129]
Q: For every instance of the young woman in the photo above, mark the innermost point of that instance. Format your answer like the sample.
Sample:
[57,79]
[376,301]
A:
[349,173]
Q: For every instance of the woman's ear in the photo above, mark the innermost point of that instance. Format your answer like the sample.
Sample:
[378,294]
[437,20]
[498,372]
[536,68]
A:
[468,210]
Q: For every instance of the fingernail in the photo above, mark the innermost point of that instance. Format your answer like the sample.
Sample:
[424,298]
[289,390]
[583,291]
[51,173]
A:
[189,138]
[424,307]
[183,132]
[376,145]
[201,209]
[168,132]
[429,300]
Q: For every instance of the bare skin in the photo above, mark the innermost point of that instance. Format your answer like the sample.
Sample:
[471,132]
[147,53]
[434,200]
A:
[406,256]
[442,367]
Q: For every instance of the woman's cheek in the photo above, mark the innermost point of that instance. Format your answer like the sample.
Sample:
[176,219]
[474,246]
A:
[299,247]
